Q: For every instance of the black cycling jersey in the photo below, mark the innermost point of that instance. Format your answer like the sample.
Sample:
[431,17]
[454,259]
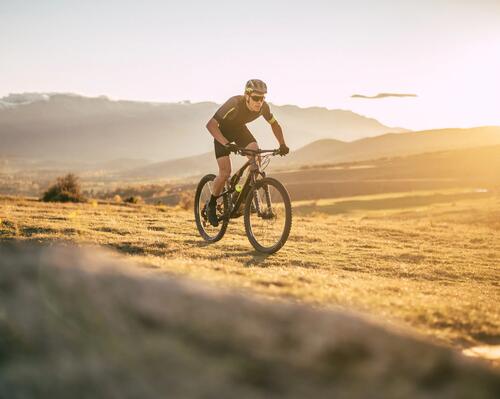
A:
[235,113]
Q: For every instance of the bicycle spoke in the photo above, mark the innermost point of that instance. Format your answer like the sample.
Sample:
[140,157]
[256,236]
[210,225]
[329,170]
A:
[207,231]
[268,225]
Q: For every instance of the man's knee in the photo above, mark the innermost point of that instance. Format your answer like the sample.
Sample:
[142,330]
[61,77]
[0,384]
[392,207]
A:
[224,174]
[224,167]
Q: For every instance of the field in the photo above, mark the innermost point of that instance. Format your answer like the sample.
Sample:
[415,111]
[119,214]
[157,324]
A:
[424,262]
[85,321]
[477,167]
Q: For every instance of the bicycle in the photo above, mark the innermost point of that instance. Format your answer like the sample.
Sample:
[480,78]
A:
[267,208]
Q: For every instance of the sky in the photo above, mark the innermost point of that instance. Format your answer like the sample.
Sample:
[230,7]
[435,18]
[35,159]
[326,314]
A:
[310,53]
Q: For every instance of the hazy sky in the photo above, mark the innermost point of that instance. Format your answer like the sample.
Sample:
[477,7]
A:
[311,53]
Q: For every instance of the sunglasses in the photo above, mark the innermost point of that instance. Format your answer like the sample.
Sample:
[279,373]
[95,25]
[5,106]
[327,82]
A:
[257,98]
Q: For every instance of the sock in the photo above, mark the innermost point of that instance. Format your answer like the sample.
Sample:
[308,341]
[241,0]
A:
[213,200]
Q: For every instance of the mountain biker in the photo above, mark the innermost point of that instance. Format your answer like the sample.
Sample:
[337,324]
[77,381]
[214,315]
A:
[228,125]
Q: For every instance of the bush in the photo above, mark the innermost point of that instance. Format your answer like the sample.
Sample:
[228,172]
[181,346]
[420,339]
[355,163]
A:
[66,189]
[186,200]
[134,199]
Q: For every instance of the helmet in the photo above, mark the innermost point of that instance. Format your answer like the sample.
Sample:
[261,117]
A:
[255,85]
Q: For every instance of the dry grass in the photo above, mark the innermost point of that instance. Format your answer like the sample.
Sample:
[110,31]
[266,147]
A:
[77,320]
[432,266]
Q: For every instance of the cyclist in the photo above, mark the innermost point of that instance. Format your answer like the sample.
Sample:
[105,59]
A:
[228,125]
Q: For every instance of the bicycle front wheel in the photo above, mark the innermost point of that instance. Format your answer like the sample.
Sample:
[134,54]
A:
[268,215]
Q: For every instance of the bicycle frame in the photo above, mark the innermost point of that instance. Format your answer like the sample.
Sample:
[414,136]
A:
[252,177]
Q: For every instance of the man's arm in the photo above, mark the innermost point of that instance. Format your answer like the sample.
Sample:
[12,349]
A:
[269,117]
[278,132]
[283,150]
[213,128]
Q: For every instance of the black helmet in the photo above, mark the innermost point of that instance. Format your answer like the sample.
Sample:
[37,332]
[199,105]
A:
[255,85]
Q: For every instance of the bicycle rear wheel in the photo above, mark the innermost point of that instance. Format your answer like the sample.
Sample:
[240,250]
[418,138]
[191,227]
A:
[268,215]
[203,192]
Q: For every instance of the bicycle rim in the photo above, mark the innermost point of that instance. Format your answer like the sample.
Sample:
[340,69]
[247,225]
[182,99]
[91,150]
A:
[203,194]
[268,215]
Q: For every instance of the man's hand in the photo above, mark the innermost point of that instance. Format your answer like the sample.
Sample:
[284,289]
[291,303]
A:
[231,147]
[283,150]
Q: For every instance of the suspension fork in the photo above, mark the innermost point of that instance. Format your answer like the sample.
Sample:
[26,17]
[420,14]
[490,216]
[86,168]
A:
[256,198]
[267,195]
[268,198]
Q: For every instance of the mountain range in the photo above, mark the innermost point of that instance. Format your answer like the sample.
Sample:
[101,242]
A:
[69,127]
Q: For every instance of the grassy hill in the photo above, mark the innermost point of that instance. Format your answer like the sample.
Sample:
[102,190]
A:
[473,168]
[390,145]
[86,322]
[477,168]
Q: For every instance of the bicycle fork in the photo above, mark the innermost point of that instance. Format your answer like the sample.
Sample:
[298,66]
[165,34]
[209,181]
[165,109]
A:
[257,201]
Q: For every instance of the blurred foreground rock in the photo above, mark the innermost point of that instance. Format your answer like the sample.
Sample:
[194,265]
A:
[80,323]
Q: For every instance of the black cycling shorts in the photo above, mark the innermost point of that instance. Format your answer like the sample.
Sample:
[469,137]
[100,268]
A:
[239,135]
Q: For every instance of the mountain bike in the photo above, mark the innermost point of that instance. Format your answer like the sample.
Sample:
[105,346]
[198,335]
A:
[263,201]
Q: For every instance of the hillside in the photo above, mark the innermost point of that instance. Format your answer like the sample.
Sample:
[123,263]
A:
[329,151]
[83,129]
[472,168]
[475,168]
[390,145]
[72,319]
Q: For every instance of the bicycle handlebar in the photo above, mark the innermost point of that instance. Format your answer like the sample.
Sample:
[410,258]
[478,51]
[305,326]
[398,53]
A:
[249,151]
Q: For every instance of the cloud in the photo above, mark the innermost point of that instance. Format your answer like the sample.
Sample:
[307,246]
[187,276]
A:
[383,95]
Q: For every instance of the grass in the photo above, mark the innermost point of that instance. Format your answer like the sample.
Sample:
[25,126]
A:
[102,329]
[429,265]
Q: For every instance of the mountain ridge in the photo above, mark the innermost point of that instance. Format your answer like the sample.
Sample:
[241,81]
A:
[75,127]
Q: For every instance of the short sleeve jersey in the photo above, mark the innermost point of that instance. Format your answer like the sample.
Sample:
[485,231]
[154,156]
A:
[234,112]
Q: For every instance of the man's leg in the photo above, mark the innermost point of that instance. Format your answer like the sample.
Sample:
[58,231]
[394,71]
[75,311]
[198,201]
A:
[224,174]
[217,186]
[245,138]
[253,146]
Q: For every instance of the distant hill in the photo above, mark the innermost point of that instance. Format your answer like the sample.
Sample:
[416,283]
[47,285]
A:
[335,151]
[182,167]
[46,166]
[474,168]
[53,126]
[328,150]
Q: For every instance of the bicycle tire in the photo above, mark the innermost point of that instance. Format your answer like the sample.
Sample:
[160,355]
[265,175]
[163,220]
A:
[288,216]
[197,213]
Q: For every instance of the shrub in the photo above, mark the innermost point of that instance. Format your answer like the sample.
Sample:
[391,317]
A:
[134,199]
[66,189]
[186,200]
